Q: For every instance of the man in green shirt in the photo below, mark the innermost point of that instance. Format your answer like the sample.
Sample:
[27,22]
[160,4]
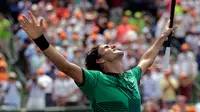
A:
[108,87]
[5,35]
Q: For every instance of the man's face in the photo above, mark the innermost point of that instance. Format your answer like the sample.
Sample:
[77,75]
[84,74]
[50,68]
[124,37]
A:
[110,53]
[12,80]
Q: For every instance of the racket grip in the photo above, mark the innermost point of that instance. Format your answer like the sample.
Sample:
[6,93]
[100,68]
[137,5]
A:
[166,60]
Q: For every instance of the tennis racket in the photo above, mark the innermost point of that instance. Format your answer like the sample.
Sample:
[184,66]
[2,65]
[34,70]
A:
[168,46]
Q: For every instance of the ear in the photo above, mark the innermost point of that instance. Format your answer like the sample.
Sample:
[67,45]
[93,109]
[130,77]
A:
[100,61]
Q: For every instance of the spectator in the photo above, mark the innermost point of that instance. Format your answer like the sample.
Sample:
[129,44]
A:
[149,86]
[139,21]
[169,86]
[47,83]
[5,36]
[73,93]
[116,11]
[157,75]
[78,57]
[181,30]
[186,61]
[185,87]
[21,36]
[60,89]
[12,98]
[192,39]
[110,33]
[36,99]
[122,29]
[68,49]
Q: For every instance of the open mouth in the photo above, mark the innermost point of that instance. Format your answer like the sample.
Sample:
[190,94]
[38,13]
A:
[116,49]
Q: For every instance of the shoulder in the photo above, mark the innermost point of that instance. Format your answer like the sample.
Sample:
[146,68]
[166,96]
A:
[134,70]
[6,21]
[173,79]
[48,78]
[93,72]
[162,80]
[191,54]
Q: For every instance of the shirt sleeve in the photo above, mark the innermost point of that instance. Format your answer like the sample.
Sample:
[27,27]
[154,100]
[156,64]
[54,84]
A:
[137,71]
[90,81]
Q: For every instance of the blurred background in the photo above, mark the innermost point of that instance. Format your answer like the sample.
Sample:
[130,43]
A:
[30,82]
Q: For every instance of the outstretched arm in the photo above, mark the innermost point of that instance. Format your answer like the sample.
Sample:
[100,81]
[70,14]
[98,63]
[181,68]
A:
[35,31]
[63,65]
[149,56]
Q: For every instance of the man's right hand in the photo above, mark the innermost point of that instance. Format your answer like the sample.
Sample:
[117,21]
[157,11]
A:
[31,26]
[35,30]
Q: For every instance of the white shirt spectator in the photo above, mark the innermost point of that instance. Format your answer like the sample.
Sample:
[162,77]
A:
[149,87]
[188,19]
[72,94]
[187,63]
[60,87]
[157,76]
[36,98]
[47,82]
[193,40]
[181,30]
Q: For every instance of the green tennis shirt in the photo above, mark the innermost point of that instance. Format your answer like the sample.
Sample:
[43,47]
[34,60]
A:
[110,92]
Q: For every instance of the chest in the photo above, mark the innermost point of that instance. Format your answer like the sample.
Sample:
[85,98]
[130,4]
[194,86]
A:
[124,86]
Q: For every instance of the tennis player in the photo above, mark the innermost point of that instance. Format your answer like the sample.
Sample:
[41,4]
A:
[108,87]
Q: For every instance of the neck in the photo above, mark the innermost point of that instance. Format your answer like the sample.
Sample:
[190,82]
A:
[114,67]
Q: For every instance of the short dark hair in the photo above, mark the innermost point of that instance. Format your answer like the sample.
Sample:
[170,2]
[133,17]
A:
[91,57]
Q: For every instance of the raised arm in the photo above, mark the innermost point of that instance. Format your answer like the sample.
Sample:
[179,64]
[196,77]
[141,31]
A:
[35,31]
[149,56]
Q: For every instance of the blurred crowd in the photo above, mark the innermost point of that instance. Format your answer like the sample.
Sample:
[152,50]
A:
[73,27]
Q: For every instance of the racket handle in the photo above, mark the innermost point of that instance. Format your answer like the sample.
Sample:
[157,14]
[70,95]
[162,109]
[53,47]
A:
[166,60]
